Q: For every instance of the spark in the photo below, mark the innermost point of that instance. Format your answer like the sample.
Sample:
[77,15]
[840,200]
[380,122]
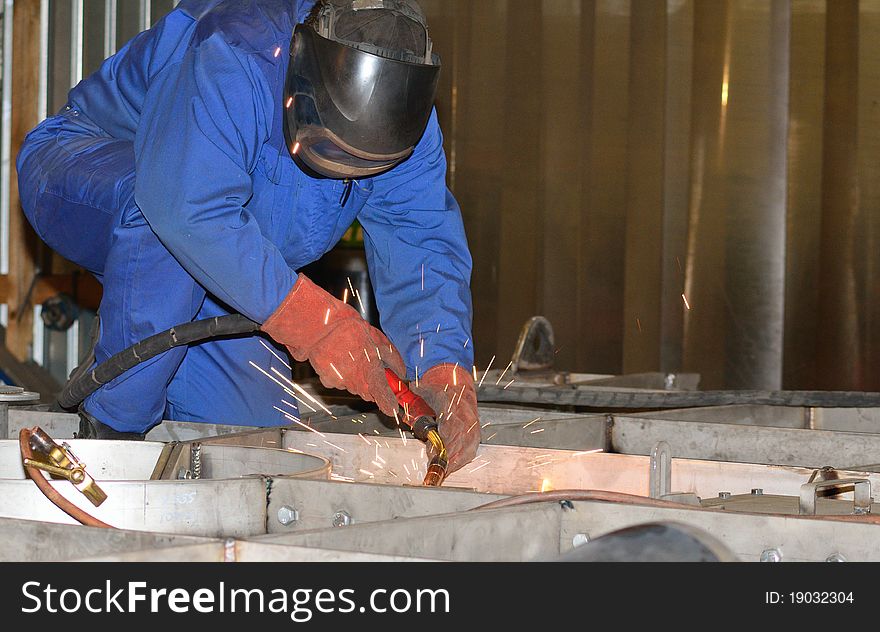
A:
[358,295]
[407,470]
[474,425]
[508,385]
[311,445]
[297,421]
[378,354]
[576,454]
[533,421]
[379,465]
[537,465]
[367,441]
[284,401]
[305,394]
[686,304]
[423,277]
[333,366]
[342,479]
[275,353]
[480,467]
[475,373]
[486,425]
[277,51]
[402,436]
[333,445]
[510,364]
[537,431]
[351,355]
[545,486]
[438,328]
[289,103]
[492,437]
[370,474]
[350,286]
[421,347]
[327,317]
[295,149]
[376,431]
[466,343]
[460,394]
[367,354]
[487,371]
[345,296]
[639,324]
[454,375]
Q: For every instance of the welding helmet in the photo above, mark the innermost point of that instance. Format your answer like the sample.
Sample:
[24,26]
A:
[360,87]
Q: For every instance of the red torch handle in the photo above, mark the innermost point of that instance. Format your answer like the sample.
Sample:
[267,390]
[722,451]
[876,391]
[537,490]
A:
[414,406]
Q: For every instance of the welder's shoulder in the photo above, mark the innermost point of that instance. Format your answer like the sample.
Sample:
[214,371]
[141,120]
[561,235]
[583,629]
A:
[249,26]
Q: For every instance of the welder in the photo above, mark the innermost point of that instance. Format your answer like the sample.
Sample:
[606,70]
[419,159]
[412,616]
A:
[222,150]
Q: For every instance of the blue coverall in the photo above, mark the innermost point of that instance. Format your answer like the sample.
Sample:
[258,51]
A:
[167,176]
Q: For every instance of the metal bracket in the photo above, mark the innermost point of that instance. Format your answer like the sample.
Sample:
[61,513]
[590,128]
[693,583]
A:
[660,475]
[861,488]
[535,348]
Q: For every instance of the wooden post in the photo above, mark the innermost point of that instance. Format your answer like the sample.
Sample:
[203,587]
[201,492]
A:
[23,243]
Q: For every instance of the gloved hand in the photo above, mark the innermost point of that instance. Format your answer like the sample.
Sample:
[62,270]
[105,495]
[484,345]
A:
[341,346]
[454,400]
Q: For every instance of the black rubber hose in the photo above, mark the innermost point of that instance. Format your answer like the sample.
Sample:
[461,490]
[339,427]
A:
[80,387]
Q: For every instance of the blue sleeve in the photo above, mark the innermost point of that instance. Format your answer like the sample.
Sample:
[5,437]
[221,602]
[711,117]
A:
[203,123]
[419,261]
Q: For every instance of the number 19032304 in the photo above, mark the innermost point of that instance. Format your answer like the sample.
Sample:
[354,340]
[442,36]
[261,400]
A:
[810,597]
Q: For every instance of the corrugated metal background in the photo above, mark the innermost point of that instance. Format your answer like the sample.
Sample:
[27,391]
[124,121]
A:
[677,184]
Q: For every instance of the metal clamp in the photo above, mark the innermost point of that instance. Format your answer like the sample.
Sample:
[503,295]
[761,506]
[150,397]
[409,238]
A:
[60,461]
[861,488]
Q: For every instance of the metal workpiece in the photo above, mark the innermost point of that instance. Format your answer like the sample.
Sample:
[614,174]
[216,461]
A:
[745,444]
[36,541]
[544,531]
[245,551]
[319,504]
[807,418]
[518,534]
[209,508]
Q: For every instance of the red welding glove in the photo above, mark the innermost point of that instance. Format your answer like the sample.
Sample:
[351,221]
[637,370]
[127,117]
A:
[346,351]
[450,391]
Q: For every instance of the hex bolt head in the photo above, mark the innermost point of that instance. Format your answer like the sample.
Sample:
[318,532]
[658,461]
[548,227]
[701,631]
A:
[836,557]
[341,519]
[287,515]
[771,555]
[724,495]
[580,539]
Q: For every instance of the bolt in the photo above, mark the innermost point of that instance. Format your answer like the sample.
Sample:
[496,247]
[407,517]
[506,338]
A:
[724,495]
[771,555]
[341,519]
[837,557]
[287,515]
[757,492]
[580,539]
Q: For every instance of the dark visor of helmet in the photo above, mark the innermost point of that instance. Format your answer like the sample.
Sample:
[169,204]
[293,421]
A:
[351,113]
